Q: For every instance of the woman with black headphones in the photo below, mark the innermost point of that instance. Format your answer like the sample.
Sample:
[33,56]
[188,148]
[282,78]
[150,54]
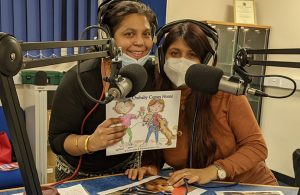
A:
[79,132]
[221,139]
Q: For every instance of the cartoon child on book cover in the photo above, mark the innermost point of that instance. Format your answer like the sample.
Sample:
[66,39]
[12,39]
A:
[156,123]
[124,108]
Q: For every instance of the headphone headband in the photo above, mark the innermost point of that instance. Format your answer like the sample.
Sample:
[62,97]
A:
[162,31]
[208,30]
[102,9]
[105,6]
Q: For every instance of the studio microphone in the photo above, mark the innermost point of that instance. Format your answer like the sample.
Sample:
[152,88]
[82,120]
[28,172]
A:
[131,80]
[210,80]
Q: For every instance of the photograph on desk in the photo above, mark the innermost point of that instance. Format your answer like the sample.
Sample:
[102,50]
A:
[151,118]
[250,193]
[153,185]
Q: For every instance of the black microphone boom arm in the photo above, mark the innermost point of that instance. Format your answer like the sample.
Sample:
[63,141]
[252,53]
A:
[11,62]
[244,57]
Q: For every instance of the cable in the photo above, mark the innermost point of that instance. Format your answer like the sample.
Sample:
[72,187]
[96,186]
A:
[263,76]
[193,132]
[107,99]
[208,185]
[214,185]
[81,131]
[186,186]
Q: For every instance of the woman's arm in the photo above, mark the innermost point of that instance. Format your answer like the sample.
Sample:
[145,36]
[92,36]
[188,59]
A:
[251,147]
[70,106]
[103,136]
[66,115]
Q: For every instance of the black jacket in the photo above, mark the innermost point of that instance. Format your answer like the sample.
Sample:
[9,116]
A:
[69,108]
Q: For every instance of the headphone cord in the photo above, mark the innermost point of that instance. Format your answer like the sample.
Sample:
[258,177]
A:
[191,144]
[191,157]
[193,132]
[107,99]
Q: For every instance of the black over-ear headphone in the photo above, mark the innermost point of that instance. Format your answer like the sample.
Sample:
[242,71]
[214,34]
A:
[162,31]
[2,35]
[103,9]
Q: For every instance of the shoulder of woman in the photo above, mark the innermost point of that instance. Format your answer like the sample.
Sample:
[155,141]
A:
[86,69]
[228,99]
[225,95]
[87,65]
[222,95]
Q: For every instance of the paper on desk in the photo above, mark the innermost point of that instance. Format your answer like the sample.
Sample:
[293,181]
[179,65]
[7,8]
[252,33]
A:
[197,191]
[73,190]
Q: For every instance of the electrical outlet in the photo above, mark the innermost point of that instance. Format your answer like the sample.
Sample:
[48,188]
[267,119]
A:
[271,81]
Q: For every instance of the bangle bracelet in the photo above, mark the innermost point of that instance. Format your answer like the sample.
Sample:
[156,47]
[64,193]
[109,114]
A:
[76,143]
[86,145]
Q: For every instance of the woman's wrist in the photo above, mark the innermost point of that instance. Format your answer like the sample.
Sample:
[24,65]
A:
[86,145]
[214,172]
[82,144]
[151,169]
[221,173]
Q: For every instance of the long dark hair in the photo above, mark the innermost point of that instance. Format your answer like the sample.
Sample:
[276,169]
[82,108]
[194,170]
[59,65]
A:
[204,145]
[116,12]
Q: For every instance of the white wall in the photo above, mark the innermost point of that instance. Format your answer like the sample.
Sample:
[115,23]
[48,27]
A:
[280,118]
[219,10]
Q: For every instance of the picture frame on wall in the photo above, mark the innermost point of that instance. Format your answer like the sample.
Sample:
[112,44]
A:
[244,11]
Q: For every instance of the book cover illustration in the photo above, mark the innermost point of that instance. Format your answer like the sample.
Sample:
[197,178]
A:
[151,118]
[152,185]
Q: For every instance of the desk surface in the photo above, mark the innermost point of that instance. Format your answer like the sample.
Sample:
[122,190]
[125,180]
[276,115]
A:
[94,185]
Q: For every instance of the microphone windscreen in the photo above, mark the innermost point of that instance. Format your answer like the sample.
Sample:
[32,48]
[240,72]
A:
[203,78]
[137,74]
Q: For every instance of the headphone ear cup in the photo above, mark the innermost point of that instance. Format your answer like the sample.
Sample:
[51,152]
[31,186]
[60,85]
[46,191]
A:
[2,35]
[109,33]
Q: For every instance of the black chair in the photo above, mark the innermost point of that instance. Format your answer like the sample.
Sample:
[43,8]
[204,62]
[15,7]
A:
[296,164]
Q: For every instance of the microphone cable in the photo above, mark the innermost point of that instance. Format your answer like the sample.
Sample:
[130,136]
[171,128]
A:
[98,102]
[81,133]
[107,99]
[208,185]
[264,76]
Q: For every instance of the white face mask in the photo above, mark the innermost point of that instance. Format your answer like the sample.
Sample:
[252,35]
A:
[126,60]
[175,69]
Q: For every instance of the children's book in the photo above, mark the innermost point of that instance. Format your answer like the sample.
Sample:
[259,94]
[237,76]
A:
[151,118]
